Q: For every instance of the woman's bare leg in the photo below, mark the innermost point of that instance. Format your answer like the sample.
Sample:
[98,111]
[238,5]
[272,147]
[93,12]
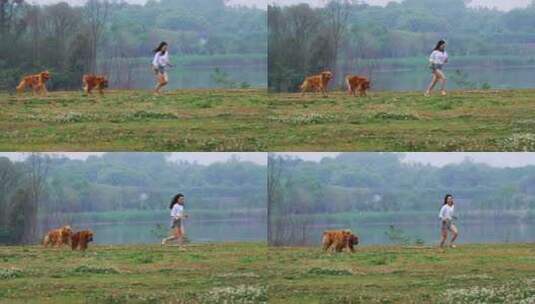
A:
[177,234]
[432,84]
[444,236]
[162,82]
[443,81]
[454,234]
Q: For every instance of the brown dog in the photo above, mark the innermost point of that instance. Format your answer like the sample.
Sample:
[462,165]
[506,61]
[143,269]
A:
[358,84]
[95,81]
[58,237]
[337,240]
[317,83]
[36,82]
[80,239]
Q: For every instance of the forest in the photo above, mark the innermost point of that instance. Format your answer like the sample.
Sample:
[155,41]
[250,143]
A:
[44,189]
[380,186]
[348,37]
[116,38]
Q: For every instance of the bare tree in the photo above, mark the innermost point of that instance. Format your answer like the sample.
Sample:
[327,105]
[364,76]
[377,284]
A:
[9,9]
[273,188]
[337,13]
[61,20]
[37,173]
[96,13]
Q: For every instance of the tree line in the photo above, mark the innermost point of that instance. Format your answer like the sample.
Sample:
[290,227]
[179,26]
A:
[107,36]
[50,187]
[381,183]
[377,182]
[348,36]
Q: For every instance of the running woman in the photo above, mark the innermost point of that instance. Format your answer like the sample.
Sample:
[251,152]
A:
[437,60]
[447,216]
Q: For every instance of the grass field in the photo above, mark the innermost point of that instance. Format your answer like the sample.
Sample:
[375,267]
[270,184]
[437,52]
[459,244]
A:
[252,120]
[467,274]
[250,273]
[134,274]
[186,120]
[462,121]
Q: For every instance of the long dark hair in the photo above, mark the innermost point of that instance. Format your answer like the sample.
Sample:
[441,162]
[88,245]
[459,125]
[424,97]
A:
[439,44]
[160,47]
[446,198]
[175,200]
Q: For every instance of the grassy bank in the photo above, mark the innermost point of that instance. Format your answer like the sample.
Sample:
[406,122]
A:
[185,120]
[134,274]
[392,121]
[467,274]
[252,120]
[250,273]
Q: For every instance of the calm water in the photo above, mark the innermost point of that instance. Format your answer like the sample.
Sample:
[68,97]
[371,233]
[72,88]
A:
[469,232]
[200,76]
[414,80]
[197,231]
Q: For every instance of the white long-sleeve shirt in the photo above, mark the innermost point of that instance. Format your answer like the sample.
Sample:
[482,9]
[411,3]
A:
[177,211]
[438,57]
[446,212]
[160,60]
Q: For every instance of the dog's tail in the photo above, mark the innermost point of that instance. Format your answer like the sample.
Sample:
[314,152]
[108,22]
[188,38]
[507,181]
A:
[46,240]
[303,85]
[348,85]
[20,87]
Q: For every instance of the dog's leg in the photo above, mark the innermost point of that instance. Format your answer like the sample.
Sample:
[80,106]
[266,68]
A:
[43,89]
[21,87]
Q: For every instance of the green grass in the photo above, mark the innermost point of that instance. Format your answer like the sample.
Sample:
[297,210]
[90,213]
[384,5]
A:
[209,273]
[251,273]
[186,120]
[392,121]
[252,120]
[467,274]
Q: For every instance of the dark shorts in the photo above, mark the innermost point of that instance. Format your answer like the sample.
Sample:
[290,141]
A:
[448,226]
[159,70]
[436,67]
[176,223]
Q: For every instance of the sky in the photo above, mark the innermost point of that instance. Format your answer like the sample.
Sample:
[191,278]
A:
[435,159]
[203,158]
[500,4]
[256,3]
[500,160]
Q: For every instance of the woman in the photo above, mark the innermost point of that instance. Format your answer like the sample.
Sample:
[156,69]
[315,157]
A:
[437,60]
[159,65]
[177,215]
[446,217]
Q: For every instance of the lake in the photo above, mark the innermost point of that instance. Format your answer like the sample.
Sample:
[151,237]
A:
[484,231]
[197,231]
[190,77]
[520,77]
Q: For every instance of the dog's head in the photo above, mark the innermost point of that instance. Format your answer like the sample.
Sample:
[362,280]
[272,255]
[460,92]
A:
[366,84]
[326,75]
[102,81]
[353,239]
[89,236]
[66,231]
[45,75]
